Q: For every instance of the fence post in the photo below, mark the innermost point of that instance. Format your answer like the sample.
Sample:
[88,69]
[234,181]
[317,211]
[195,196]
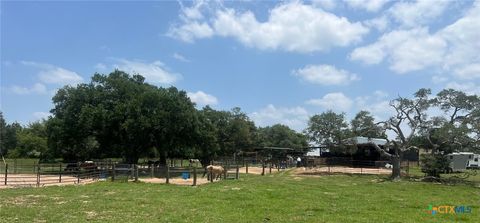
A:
[263,168]
[78,175]
[270,169]
[168,174]
[194,176]
[136,172]
[361,170]
[60,174]
[246,167]
[278,166]
[38,175]
[152,169]
[210,173]
[6,173]
[113,172]
[237,173]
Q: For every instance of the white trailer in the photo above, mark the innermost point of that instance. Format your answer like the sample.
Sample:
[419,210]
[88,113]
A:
[459,161]
[474,163]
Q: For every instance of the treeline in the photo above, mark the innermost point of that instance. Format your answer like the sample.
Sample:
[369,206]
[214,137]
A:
[441,124]
[118,115]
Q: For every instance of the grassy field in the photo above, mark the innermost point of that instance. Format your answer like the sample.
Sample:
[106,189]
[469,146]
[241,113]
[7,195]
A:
[280,197]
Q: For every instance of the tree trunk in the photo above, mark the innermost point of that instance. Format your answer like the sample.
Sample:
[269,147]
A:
[163,157]
[132,159]
[396,167]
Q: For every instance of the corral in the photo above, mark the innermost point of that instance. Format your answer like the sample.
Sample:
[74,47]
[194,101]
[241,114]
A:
[327,198]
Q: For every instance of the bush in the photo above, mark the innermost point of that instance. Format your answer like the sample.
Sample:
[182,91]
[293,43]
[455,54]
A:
[434,164]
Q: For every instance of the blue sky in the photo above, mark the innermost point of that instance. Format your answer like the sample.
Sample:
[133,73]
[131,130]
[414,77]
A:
[281,62]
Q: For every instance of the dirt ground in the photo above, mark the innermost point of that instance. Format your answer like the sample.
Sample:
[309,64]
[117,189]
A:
[341,169]
[176,181]
[255,170]
[30,180]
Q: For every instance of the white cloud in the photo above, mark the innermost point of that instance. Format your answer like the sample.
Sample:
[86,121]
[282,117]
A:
[437,79]
[41,115]
[180,57]
[100,67]
[51,74]
[408,50]
[452,49]
[468,72]
[37,88]
[190,31]
[155,72]
[369,5]
[463,37]
[326,4]
[201,98]
[295,117]
[59,75]
[469,87]
[325,75]
[291,26]
[380,23]
[420,12]
[380,109]
[336,101]
[380,94]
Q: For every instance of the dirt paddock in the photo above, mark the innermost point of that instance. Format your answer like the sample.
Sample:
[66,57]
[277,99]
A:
[255,170]
[30,180]
[175,181]
[341,169]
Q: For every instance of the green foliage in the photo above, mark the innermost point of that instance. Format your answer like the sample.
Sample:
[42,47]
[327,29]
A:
[281,136]
[363,125]
[330,129]
[10,137]
[434,164]
[3,133]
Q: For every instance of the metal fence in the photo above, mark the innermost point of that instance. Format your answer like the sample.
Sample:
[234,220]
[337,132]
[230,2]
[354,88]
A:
[37,175]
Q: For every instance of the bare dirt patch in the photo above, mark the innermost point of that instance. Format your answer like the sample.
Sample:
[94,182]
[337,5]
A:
[176,181]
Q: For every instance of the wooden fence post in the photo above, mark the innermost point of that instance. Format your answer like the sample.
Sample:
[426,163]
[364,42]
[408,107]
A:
[38,175]
[60,174]
[210,173]
[78,175]
[237,173]
[136,172]
[246,167]
[113,172]
[6,173]
[152,170]
[263,168]
[168,175]
[194,176]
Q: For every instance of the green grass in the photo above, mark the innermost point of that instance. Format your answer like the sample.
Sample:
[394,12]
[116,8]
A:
[473,174]
[273,198]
